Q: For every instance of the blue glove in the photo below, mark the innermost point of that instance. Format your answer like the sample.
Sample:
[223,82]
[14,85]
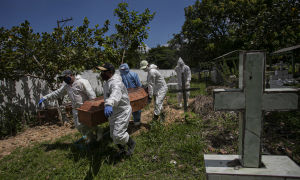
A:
[40,103]
[108,111]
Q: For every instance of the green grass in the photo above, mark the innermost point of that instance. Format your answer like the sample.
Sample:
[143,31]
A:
[151,160]
[154,151]
[184,143]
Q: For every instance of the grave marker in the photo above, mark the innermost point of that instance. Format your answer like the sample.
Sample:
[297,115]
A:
[252,100]
[184,91]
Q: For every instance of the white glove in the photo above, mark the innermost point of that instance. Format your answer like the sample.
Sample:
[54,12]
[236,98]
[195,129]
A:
[187,84]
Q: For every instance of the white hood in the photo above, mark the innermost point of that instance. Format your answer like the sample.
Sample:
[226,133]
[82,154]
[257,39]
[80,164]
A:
[78,77]
[180,61]
[152,66]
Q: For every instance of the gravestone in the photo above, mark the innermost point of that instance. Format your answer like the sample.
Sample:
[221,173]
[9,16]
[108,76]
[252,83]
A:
[281,77]
[213,75]
[252,100]
[172,82]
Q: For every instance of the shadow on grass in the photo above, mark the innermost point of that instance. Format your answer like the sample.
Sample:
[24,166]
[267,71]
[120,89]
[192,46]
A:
[98,154]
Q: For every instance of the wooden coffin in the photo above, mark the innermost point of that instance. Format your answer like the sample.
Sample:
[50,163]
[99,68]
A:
[91,113]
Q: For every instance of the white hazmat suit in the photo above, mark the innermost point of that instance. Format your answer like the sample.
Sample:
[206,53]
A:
[79,92]
[179,69]
[157,87]
[116,95]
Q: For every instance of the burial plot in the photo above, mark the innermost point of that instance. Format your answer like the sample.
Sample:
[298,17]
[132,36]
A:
[281,77]
[172,82]
[252,100]
[184,91]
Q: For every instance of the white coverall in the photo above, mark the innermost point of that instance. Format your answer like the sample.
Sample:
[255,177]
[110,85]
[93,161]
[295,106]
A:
[187,72]
[79,92]
[116,95]
[157,87]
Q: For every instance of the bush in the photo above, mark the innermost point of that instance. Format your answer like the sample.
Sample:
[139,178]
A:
[13,119]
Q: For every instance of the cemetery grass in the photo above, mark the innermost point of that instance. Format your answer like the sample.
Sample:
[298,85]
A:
[185,143]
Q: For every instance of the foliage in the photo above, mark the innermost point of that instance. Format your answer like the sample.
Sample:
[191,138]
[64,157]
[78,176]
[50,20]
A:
[132,30]
[184,143]
[227,72]
[13,120]
[155,149]
[163,57]
[215,27]
[25,53]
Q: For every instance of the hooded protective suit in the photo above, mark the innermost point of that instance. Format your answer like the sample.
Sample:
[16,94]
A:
[79,92]
[157,87]
[131,80]
[179,69]
[116,95]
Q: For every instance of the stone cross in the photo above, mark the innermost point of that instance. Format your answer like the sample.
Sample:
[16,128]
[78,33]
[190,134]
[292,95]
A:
[281,65]
[252,100]
[184,91]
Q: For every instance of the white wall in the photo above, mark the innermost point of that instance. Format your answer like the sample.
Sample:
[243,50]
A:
[27,92]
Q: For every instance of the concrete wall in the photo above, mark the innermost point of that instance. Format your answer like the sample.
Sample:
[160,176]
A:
[27,92]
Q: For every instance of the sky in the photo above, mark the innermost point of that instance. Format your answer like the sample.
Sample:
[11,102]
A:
[43,15]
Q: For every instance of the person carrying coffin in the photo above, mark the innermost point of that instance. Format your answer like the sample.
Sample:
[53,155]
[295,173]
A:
[117,109]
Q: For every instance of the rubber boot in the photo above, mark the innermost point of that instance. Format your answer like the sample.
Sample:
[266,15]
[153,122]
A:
[131,145]
[99,133]
[91,137]
[155,117]
[121,151]
[162,117]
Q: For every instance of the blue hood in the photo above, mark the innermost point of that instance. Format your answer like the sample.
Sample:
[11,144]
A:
[130,79]
[124,71]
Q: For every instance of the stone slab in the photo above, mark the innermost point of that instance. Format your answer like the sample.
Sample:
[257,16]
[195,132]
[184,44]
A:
[273,77]
[285,76]
[280,101]
[275,168]
[281,90]
[229,101]
[278,72]
[172,86]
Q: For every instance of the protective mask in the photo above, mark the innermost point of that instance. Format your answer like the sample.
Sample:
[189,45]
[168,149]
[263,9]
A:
[104,76]
[68,80]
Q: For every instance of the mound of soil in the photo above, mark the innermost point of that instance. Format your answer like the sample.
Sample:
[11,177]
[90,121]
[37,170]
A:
[203,105]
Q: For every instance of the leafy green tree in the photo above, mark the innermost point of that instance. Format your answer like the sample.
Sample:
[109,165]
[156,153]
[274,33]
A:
[163,57]
[130,33]
[215,27]
[43,56]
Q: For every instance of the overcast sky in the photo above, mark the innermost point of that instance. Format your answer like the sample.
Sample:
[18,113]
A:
[43,14]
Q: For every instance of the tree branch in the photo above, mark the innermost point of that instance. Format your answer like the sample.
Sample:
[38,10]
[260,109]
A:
[36,61]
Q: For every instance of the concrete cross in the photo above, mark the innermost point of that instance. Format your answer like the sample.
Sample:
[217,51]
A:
[184,91]
[252,100]
[281,65]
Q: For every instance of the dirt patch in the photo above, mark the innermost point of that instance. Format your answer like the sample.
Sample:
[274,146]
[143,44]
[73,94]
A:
[173,114]
[48,131]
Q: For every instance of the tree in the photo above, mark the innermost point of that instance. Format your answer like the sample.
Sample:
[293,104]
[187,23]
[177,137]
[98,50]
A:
[163,57]
[130,33]
[43,56]
[215,27]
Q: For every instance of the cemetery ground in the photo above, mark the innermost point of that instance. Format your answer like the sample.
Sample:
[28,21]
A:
[53,155]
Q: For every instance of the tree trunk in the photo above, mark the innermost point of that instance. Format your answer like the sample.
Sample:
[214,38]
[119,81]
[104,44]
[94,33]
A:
[123,56]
